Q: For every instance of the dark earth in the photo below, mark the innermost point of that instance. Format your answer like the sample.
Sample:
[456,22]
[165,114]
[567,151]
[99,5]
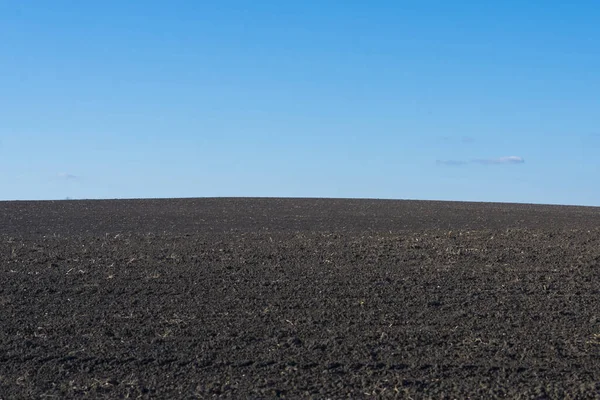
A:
[298,298]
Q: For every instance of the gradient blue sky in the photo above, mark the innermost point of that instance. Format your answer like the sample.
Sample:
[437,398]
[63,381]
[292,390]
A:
[382,99]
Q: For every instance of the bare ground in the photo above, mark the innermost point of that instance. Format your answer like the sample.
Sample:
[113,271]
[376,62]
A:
[298,298]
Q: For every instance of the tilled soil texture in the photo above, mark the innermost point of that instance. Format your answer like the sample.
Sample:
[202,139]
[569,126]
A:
[298,298]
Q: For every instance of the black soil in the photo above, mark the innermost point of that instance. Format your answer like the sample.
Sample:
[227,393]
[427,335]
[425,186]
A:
[298,298]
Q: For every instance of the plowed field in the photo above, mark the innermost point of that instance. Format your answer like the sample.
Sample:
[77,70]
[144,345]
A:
[298,298]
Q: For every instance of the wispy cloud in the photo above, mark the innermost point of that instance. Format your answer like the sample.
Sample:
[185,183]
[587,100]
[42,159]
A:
[499,160]
[508,160]
[451,163]
[67,176]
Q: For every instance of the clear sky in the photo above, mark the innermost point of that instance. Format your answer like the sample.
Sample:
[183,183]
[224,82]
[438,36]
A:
[452,100]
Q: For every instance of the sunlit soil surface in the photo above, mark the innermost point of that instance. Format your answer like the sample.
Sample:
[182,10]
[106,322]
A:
[298,298]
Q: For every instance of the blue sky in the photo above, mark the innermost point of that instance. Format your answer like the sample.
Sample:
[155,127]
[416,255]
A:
[462,100]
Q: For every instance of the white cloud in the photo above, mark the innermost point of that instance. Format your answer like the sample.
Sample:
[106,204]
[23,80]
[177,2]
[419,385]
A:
[500,160]
[508,160]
